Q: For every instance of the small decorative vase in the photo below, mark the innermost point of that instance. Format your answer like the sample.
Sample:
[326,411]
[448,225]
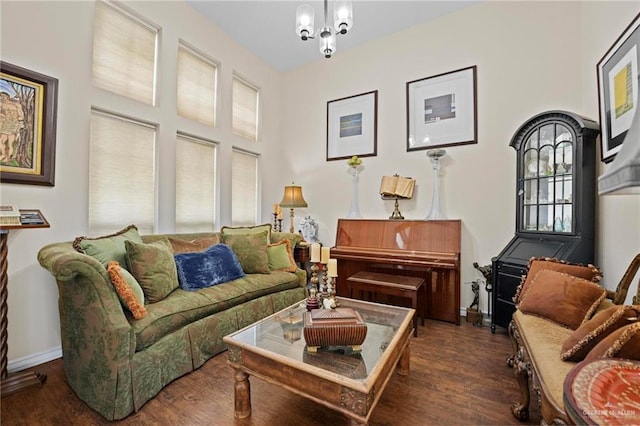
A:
[354,211]
[436,210]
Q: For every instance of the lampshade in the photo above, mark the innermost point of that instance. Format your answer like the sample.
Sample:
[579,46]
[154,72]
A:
[623,174]
[292,197]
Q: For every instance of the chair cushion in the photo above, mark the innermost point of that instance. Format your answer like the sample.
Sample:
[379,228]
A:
[589,334]
[215,265]
[562,298]
[184,307]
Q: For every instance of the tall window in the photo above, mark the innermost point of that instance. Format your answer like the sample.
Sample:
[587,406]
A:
[244,120]
[195,185]
[196,86]
[124,53]
[244,188]
[121,174]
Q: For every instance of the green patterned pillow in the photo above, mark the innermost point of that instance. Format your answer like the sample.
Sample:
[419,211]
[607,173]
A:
[244,230]
[281,257]
[153,267]
[108,247]
[251,251]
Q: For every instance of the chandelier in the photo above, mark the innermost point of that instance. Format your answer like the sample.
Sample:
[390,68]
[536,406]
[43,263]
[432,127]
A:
[342,22]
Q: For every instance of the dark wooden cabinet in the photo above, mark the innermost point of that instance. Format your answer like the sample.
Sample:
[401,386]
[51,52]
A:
[555,201]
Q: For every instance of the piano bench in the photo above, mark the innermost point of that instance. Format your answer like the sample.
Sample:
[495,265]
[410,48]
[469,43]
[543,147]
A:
[392,285]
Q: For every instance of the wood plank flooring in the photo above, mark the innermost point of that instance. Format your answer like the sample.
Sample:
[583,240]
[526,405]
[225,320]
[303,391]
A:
[458,377]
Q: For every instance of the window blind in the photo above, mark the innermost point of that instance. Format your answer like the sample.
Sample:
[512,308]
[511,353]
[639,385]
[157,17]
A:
[244,188]
[195,185]
[244,121]
[196,97]
[121,174]
[124,53]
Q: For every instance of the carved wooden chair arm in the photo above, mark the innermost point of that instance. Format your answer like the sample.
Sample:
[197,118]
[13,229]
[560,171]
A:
[618,297]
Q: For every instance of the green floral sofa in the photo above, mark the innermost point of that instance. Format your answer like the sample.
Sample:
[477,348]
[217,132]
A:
[116,363]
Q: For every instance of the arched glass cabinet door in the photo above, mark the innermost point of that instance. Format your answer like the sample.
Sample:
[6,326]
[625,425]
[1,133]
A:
[546,179]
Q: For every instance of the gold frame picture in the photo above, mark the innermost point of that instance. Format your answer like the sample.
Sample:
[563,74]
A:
[28,104]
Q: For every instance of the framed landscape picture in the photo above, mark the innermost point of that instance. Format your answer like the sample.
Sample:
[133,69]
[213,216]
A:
[28,103]
[618,90]
[441,110]
[352,126]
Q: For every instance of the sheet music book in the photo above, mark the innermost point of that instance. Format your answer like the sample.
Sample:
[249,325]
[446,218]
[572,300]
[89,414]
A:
[397,186]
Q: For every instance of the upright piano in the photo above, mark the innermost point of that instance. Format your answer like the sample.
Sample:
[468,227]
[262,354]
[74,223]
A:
[429,249]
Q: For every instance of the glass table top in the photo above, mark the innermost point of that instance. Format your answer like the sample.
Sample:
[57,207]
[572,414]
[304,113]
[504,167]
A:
[282,336]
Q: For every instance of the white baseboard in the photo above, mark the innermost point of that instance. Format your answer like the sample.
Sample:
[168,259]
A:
[34,360]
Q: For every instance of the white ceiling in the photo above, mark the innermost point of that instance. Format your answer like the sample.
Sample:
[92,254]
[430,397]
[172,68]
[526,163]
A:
[267,27]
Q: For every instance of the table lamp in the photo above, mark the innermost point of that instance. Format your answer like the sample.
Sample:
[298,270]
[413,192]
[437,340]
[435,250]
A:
[292,198]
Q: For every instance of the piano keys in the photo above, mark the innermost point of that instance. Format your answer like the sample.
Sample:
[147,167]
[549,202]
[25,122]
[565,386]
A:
[429,249]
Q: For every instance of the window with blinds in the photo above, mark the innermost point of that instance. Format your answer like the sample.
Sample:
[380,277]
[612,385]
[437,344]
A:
[244,188]
[244,119]
[196,97]
[121,174]
[124,53]
[195,184]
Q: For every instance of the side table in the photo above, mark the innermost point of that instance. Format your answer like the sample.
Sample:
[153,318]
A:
[301,255]
[17,381]
[604,391]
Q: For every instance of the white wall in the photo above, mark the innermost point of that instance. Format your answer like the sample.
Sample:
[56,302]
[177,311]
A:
[531,57]
[55,38]
[521,70]
[618,233]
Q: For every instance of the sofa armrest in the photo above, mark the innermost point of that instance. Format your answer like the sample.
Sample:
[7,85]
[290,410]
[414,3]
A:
[97,340]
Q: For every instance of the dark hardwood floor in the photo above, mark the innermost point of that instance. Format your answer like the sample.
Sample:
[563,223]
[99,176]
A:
[458,377]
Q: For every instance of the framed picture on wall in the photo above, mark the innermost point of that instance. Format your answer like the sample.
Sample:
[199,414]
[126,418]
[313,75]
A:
[28,103]
[618,89]
[441,110]
[352,126]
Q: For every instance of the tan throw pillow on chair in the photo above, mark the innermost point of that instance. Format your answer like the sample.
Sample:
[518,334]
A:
[592,332]
[562,298]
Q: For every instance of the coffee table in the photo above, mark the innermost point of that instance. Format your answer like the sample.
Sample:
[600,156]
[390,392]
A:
[273,349]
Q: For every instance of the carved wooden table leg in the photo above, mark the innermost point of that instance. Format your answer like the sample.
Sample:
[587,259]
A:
[4,322]
[403,363]
[17,381]
[242,389]
[514,343]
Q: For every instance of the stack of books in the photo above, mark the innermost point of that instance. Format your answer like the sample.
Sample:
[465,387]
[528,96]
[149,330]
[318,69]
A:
[31,217]
[9,215]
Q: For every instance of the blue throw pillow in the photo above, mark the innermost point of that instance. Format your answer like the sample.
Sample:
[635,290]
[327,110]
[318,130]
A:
[216,265]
